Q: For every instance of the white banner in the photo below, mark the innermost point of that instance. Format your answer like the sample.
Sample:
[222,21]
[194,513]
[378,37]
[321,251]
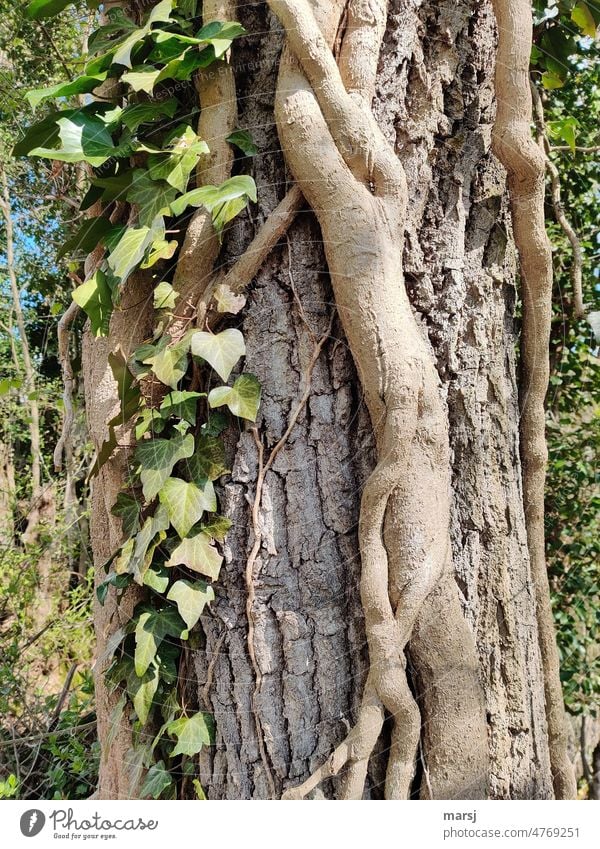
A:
[253,825]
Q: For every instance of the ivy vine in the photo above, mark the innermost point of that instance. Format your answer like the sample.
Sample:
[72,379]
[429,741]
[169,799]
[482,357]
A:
[145,150]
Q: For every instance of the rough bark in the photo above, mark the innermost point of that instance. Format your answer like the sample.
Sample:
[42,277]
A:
[435,102]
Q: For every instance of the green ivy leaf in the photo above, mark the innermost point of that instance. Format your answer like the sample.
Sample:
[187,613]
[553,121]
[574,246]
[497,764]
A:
[83,138]
[186,502]
[184,148]
[156,782]
[192,734]
[243,140]
[217,527]
[37,10]
[142,690]
[138,560]
[170,363]
[127,508]
[184,405]
[80,85]
[243,398]
[151,196]
[220,350]
[208,460]
[565,129]
[113,580]
[95,299]
[165,296]
[148,420]
[132,246]
[157,457]
[198,554]
[220,35]
[161,13]
[223,202]
[129,394]
[191,599]
[137,114]
[157,578]
[142,79]
[551,80]
[584,19]
[152,626]
[93,232]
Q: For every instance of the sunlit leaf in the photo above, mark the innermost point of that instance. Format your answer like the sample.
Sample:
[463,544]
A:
[191,599]
[198,554]
[220,350]
[186,502]
[243,398]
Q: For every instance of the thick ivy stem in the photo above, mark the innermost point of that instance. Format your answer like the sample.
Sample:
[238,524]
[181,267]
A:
[524,161]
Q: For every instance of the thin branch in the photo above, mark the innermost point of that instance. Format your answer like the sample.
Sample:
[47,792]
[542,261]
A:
[68,381]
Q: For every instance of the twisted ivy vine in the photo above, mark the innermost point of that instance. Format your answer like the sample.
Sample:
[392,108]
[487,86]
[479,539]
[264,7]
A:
[140,158]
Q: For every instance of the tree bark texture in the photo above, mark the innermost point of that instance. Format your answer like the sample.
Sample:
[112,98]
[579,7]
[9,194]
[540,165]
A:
[434,102]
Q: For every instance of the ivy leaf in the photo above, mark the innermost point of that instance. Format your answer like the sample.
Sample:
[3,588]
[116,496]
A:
[129,394]
[157,457]
[80,85]
[217,527]
[148,420]
[243,140]
[132,246]
[191,599]
[152,626]
[160,249]
[142,79]
[143,689]
[39,9]
[157,578]
[170,363]
[208,460]
[156,782]
[146,642]
[92,233]
[161,13]
[95,299]
[186,502]
[138,560]
[223,202]
[83,137]
[181,404]
[551,80]
[220,35]
[220,350]
[582,16]
[227,300]
[164,296]
[151,196]
[192,734]
[184,149]
[113,580]
[565,129]
[198,554]
[216,424]
[127,508]
[137,114]
[243,398]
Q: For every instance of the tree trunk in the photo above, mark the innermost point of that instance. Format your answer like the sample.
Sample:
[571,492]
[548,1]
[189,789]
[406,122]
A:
[435,104]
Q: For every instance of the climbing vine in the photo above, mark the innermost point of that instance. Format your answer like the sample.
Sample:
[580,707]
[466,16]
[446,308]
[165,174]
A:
[133,136]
